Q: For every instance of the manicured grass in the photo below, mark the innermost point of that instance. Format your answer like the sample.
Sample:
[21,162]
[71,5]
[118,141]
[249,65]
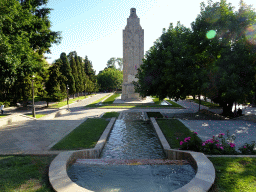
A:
[173,103]
[37,115]
[25,173]
[154,114]
[234,174]
[173,129]
[3,115]
[110,115]
[93,104]
[63,103]
[207,104]
[111,99]
[86,135]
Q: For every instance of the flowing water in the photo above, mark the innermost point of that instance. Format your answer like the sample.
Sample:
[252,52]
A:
[122,166]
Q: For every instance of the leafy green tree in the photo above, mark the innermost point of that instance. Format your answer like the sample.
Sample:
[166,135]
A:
[25,35]
[110,79]
[167,69]
[55,83]
[91,74]
[111,62]
[231,73]
[66,70]
[120,63]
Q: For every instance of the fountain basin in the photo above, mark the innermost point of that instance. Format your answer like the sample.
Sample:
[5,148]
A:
[203,180]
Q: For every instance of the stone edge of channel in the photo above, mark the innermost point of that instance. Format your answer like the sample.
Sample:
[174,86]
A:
[58,176]
[205,171]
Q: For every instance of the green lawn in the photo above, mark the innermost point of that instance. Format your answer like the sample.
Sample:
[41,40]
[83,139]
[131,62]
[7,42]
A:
[207,104]
[110,115]
[93,104]
[111,99]
[85,136]
[25,173]
[173,129]
[234,174]
[63,103]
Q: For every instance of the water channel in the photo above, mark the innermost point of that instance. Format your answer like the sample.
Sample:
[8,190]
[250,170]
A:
[131,138]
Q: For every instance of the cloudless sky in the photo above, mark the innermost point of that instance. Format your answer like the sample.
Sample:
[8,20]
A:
[95,27]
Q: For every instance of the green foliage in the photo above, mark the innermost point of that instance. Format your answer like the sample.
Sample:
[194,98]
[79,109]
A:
[66,71]
[110,79]
[25,36]
[188,62]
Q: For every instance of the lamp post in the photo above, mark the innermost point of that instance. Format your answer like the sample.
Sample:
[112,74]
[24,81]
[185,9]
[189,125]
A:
[84,89]
[33,103]
[67,96]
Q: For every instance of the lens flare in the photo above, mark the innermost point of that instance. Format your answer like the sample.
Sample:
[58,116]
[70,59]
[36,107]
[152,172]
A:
[211,34]
[251,34]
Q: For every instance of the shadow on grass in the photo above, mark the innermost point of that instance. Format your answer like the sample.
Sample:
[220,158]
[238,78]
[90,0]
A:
[25,173]
[234,174]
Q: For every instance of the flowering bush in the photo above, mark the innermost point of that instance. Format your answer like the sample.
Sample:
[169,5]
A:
[211,146]
[248,148]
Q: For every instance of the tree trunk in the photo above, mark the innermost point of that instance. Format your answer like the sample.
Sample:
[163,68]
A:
[199,102]
[194,96]
[227,108]
[47,102]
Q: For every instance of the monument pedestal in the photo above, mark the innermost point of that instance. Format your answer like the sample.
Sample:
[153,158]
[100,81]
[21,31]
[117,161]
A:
[128,92]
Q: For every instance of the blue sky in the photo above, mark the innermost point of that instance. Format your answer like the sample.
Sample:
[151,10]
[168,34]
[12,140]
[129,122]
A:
[95,27]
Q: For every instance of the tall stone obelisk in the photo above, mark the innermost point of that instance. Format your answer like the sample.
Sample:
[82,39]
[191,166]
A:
[133,53]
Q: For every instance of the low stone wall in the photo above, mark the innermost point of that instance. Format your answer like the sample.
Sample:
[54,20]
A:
[58,176]
[205,171]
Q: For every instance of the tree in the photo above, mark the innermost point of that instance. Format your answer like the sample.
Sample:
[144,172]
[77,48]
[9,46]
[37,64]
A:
[66,70]
[91,74]
[111,62]
[232,70]
[167,69]
[216,58]
[25,35]
[110,79]
[73,65]
[55,84]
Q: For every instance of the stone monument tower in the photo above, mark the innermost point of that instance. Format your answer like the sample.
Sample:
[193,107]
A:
[133,53]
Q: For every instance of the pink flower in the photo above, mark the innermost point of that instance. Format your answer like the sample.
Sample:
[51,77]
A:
[232,145]
[181,142]
[217,141]
[244,146]
[222,148]
[218,145]
[195,133]
[213,136]
[177,138]
[203,144]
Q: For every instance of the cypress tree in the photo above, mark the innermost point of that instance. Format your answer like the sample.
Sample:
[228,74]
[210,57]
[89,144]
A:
[75,74]
[67,72]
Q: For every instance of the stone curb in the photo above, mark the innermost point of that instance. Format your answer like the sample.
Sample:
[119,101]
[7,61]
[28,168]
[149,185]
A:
[205,171]
[58,176]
